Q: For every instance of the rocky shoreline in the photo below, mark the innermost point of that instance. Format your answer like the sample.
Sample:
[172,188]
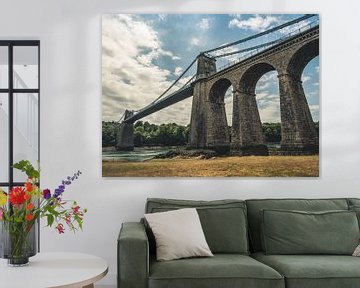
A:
[187,154]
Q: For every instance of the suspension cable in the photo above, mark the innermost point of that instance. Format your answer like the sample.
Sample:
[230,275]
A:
[262,33]
[121,118]
[187,82]
[177,80]
[248,49]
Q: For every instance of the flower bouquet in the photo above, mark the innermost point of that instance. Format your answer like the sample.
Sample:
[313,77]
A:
[21,208]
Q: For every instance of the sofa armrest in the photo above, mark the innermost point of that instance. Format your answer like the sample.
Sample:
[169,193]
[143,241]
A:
[133,256]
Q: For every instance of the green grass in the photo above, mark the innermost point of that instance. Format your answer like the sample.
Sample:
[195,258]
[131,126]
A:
[250,166]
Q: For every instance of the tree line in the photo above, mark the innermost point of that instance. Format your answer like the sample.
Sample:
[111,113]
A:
[172,134]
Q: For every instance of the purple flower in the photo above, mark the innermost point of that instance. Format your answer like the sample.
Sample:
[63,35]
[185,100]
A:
[68,181]
[58,192]
[46,194]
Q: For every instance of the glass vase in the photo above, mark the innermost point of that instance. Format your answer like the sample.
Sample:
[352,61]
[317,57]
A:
[18,242]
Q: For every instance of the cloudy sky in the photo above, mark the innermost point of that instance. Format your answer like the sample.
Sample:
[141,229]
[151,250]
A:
[142,54]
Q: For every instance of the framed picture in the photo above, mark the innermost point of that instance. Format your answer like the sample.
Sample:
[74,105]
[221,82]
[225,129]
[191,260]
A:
[206,95]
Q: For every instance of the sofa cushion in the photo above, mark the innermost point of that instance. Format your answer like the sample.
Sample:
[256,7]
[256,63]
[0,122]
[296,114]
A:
[222,270]
[178,234]
[297,232]
[356,209]
[353,201]
[313,271]
[254,206]
[223,221]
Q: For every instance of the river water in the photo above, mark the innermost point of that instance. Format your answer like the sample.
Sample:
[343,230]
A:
[138,155]
[145,153]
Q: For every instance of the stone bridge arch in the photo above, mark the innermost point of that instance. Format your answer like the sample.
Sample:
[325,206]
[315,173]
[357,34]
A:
[247,134]
[217,131]
[301,57]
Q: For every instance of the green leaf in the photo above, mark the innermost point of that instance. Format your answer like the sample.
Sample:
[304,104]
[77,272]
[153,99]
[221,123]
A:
[52,211]
[50,219]
[28,168]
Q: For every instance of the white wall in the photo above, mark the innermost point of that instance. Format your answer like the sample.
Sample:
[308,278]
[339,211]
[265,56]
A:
[70,34]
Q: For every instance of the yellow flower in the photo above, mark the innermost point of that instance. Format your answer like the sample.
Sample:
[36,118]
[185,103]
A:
[3,198]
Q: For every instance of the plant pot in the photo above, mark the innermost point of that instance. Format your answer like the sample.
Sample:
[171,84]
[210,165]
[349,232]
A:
[18,242]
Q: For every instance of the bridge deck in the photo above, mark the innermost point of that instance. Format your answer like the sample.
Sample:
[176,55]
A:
[173,98]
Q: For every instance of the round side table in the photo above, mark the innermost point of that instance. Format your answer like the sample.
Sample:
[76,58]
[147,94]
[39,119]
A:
[50,270]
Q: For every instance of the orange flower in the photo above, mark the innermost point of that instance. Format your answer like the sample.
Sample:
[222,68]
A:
[29,217]
[29,186]
[29,206]
[27,196]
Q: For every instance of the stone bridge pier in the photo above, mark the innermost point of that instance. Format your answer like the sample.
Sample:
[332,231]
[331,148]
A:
[247,137]
[125,134]
[298,132]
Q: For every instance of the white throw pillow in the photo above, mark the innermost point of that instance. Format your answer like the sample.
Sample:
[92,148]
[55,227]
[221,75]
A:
[178,234]
[357,251]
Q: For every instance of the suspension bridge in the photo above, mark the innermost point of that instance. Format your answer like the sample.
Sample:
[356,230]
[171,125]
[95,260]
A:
[286,48]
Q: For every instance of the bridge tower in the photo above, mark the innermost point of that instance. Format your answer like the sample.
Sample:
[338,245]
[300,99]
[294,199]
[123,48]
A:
[205,67]
[125,134]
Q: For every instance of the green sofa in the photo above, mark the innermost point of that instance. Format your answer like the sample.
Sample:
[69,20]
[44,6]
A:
[233,230]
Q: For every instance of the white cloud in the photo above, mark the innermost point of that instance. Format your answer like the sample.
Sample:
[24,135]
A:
[130,80]
[305,78]
[315,110]
[269,107]
[266,81]
[195,41]
[178,71]
[312,93]
[204,24]
[162,17]
[230,58]
[178,113]
[256,23]
[229,105]
[270,114]
[267,97]
[239,16]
